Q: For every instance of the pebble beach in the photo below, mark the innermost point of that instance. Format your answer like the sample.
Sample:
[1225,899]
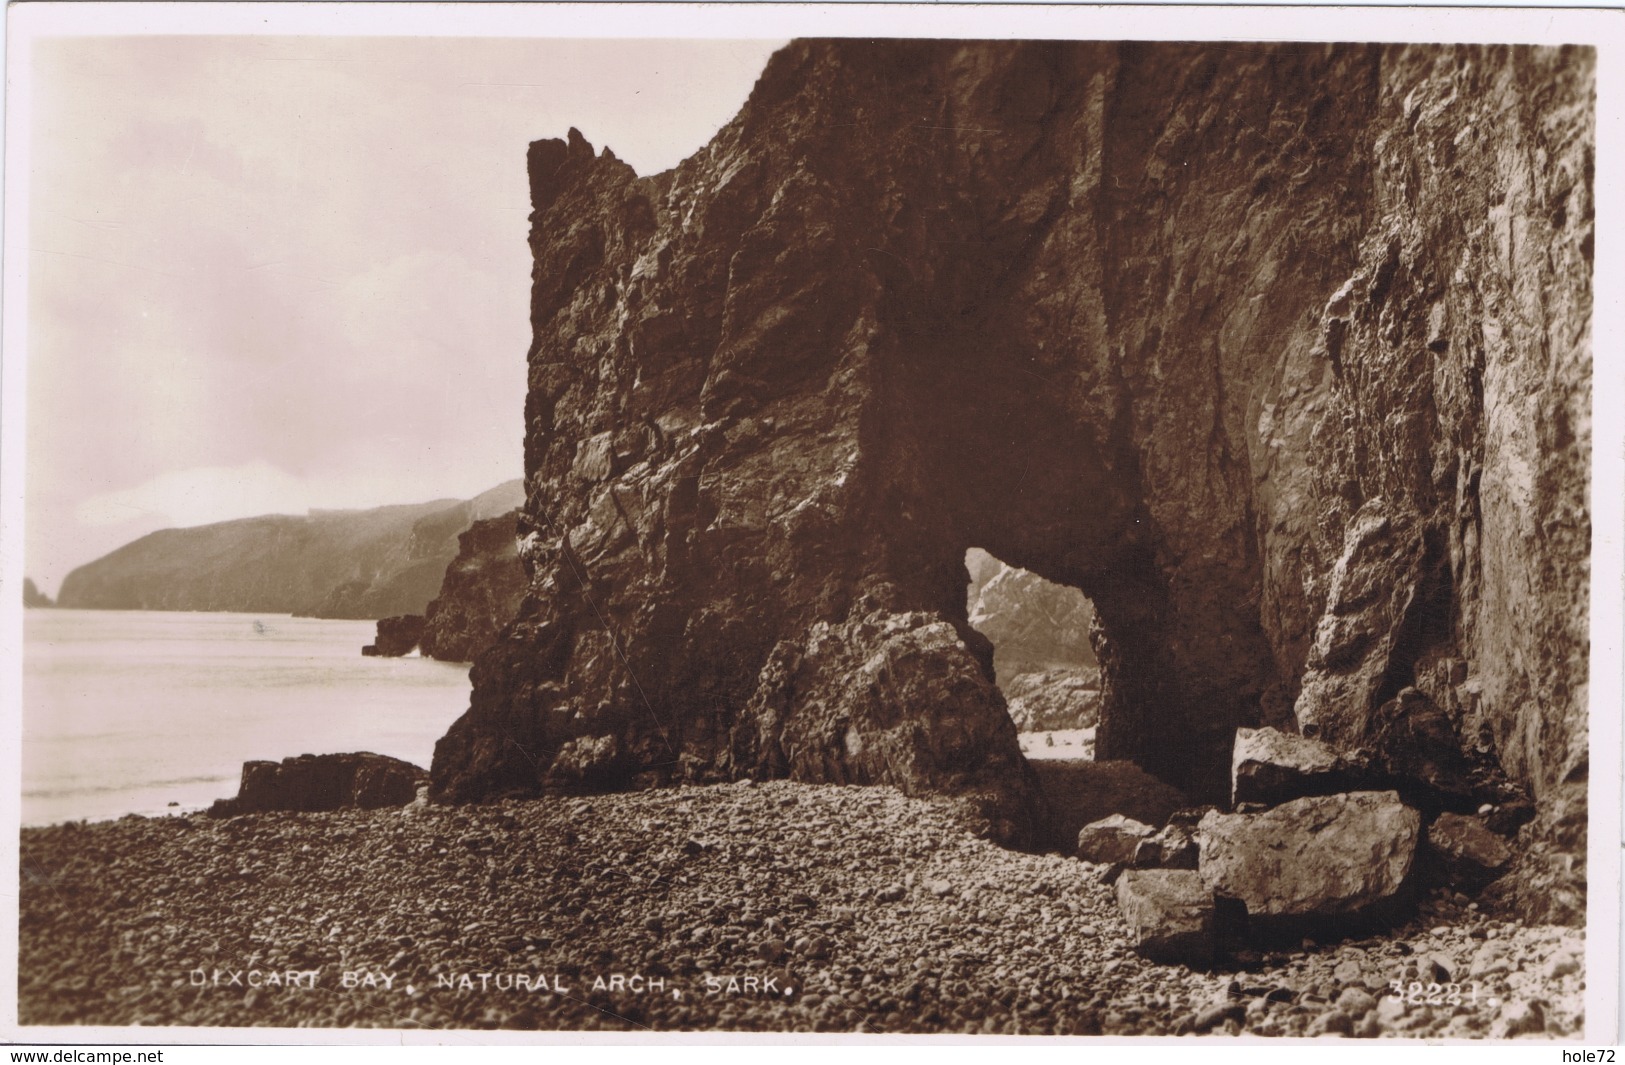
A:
[775,907]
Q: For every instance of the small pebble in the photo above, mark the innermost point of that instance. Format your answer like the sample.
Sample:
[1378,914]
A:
[1356,1002]
[1332,1022]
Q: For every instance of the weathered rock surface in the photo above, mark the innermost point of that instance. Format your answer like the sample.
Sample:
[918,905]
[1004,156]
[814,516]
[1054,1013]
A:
[889,698]
[362,781]
[1112,840]
[1169,914]
[1172,847]
[1270,766]
[1469,854]
[1053,699]
[1281,355]
[1412,741]
[396,636]
[1333,856]
[1411,751]
[481,592]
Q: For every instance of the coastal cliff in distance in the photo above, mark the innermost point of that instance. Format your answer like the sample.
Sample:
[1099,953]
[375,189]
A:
[1280,354]
[332,564]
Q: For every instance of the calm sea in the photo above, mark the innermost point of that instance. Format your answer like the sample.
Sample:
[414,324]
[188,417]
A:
[133,711]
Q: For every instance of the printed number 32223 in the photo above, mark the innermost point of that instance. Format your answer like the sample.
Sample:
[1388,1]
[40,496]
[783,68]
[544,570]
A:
[1417,993]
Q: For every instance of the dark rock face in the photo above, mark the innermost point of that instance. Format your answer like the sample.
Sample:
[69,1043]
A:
[1469,854]
[1269,766]
[1112,840]
[374,563]
[1173,847]
[1333,856]
[1279,354]
[396,636]
[480,593]
[33,597]
[311,782]
[1081,791]
[1169,914]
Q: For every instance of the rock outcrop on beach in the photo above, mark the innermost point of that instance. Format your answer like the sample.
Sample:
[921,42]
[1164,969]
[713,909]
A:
[33,597]
[1325,857]
[373,563]
[1280,354]
[481,591]
[396,637]
[311,782]
[1309,848]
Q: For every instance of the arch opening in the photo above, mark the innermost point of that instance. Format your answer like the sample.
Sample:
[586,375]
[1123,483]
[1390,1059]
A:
[1043,659]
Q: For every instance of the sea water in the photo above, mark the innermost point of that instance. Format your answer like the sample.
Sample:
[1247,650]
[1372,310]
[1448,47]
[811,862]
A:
[155,712]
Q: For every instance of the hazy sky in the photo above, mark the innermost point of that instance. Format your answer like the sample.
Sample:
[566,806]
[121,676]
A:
[274,273]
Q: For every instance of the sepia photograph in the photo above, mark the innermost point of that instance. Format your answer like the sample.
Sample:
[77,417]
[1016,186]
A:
[564,519]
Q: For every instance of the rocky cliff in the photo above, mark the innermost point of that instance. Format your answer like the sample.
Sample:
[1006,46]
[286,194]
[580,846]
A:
[1281,355]
[332,563]
[480,593]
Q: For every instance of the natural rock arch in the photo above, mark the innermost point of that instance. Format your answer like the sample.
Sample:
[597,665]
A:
[1232,338]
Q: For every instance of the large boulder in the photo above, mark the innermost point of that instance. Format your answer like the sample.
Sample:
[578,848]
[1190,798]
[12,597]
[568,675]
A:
[312,782]
[1170,915]
[397,636]
[890,698]
[1270,766]
[1326,857]
[1112,840]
